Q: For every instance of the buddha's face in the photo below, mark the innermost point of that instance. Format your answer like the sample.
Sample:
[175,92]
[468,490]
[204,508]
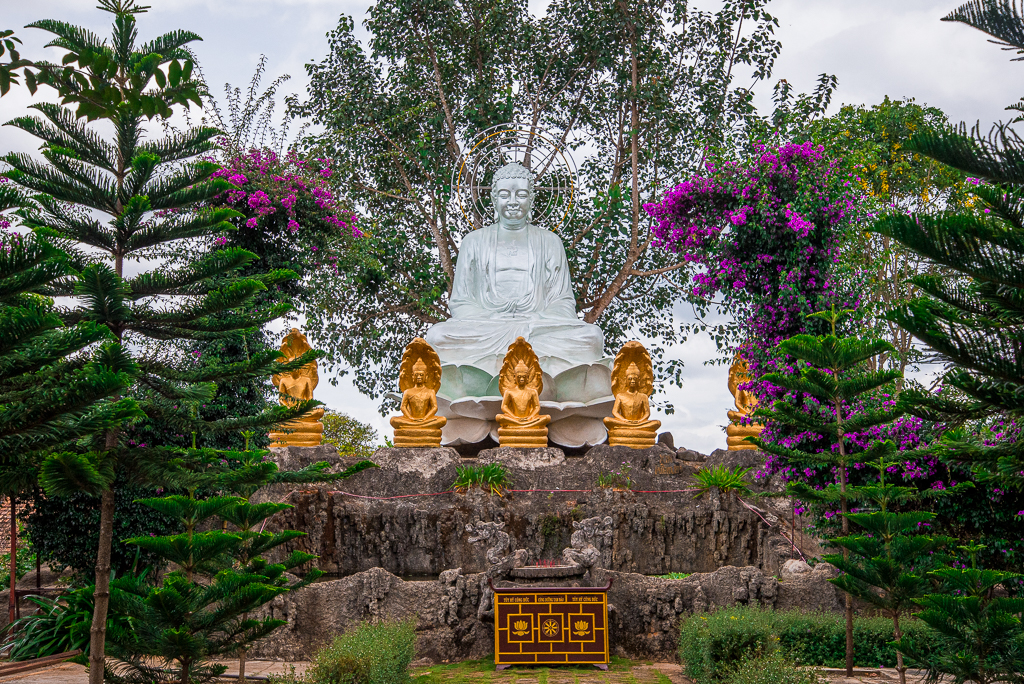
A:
[419,378]
[521,378]
[633,380]
[513,200]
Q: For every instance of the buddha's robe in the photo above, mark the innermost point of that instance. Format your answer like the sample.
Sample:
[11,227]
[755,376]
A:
[522,290]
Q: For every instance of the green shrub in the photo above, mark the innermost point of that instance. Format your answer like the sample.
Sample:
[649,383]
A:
[772,669]
[711,645]
[62,624]
[491,478]
[722,478]
[370,654]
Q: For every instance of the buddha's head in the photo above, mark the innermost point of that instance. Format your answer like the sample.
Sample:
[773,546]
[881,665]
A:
[419,373]
[522,372]
[633,377]
[512,195]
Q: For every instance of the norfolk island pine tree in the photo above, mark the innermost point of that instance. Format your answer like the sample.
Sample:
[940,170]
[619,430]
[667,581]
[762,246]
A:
[58,384]
[150,191]
[973,316]
[887,562]
[830,371]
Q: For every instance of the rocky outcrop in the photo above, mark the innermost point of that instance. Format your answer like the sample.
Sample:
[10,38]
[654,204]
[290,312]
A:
[656,528]
[644,612]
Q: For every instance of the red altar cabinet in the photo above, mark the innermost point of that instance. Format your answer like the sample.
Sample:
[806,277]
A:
[551,626]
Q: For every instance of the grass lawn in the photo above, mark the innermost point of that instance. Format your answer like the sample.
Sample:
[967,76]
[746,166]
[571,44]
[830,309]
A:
[620,671]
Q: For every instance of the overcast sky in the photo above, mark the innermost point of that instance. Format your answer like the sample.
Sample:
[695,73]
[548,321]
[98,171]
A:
[897,48]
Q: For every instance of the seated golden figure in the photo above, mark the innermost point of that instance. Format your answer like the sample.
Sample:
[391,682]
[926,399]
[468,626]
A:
[419,378]
[745,403]
[296,386]
[632,383]
[520,421]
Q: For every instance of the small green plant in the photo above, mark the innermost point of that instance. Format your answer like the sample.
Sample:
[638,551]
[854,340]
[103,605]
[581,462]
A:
[773,668]
[62,624]
[491,477]
[550,524]
[370,654]
[722,478]
[620,478]
[24,561]
[674,575]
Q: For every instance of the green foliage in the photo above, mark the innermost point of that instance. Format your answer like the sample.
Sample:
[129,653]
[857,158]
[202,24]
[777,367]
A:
[62,624]
[980,633]
[619,478]
[400,108]
[372,653]
[46,400]
[969,311]
[675,575]
[711,645]
[491,478]
[12,61]
[871,143]
[112,191]
[352,437]
[204,608]
[773,668]
[885,563]
[25,558]
[723,478]
[65,530]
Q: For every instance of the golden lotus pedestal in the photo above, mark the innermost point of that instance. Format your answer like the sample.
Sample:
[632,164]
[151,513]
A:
[417,437]
[634,439]
[523,438]
[736,434]
[304,432]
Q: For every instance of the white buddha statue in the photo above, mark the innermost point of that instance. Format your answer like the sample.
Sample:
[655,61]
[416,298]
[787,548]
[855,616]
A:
[512,280]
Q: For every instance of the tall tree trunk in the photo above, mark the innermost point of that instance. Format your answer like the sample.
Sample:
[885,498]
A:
[13,599]
[844,509]
[241,665]
[900,667]
[101,597]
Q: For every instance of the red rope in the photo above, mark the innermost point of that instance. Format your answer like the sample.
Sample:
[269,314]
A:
[381,498]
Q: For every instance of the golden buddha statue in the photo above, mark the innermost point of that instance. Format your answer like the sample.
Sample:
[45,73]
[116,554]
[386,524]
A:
[520,421]
[736,434]
[419,378]
[632,383]
[295,387]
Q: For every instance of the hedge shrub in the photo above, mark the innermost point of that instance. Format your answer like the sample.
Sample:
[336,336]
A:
[712,644]
[772,669]
[370,654]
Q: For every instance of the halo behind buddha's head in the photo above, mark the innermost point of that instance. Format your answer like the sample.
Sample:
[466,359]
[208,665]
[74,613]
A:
[513,170]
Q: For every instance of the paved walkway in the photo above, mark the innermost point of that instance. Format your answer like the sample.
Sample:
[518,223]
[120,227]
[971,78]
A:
[655,673]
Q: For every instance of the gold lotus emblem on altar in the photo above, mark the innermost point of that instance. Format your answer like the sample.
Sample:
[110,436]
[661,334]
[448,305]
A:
[550,627]
[520,627]
[581,628]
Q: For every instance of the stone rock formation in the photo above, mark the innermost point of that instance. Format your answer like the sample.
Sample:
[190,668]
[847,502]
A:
[500,556]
